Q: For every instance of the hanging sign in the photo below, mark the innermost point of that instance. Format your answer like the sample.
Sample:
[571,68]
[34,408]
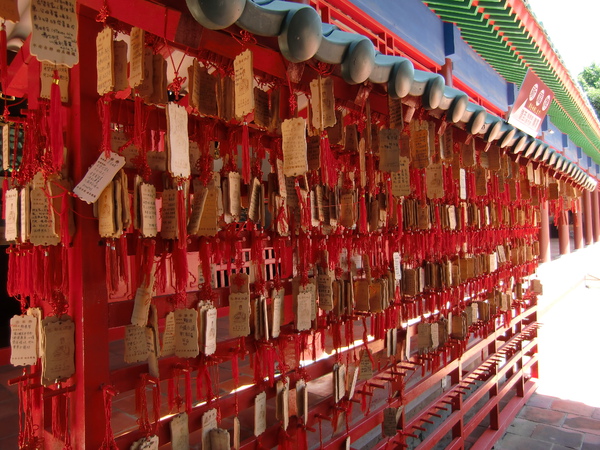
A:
[531,105]
[54,31]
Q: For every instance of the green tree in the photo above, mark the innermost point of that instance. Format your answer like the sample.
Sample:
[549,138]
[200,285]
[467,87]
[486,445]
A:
[590,82]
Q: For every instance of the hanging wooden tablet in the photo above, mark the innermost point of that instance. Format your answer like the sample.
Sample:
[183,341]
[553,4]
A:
[401,179]
[262,113]
[467,154]
[481,177]
[193,79]
[23,340]
[244,84]
[276,315]
[225,97]
[24,214]
[282,403]
[232,188]
[200,195]
[459,326]
[322,103]
[11,199]
[104,61]
[294,146]
[169,214]
[335,133]
[106,212]
[98,176]
[137,56]
[136,349]
[348,211]
[58,360]
[178,141]
[120,66]
[365,366]
[301,398]
[153,350]
[434,180]
[395,113]
[5,146]
[147,205]
[339,381]
[351,138]
[159,81]
[420,145]
[391,416]
[447,145]
[313,152]
[325,292]
[186,333]
[462,184]
[142,301]
[180,433]
[146,443]
[389,150]
[303,306]
[424,337]
[51,39]
[219,439]
[208,219]
[124,201]
[42,221]
[207,85]
[168,342]
[209,423]
[239,314]
[260,414]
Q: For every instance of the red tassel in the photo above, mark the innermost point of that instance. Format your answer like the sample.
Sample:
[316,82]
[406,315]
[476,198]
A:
[109,439]
[59,416]
[138,124]
[4,189]
[171,394]
[105,120]
[246,153]
[362,213]
[328,163]
[149,247]
[188,391]
[181,219]
[55,121]
[180,269]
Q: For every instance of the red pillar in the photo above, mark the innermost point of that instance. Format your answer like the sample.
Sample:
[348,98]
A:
[544,233]
[563,234]
[587,217]
[578,226]
[595,216]
[89,297]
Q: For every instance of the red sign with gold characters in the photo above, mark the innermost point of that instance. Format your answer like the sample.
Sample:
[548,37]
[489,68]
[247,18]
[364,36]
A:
[531,105]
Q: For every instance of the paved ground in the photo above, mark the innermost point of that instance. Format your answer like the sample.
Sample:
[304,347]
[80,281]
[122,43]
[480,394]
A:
[565,410]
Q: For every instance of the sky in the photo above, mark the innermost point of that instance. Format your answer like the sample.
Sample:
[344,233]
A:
[573,30]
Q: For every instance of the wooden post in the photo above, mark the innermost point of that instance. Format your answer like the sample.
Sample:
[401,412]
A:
[89,297]
[564,243]
[544,233]
[595,216]
[587,217]
[578,226]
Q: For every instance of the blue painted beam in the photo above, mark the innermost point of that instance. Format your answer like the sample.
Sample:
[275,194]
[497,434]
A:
[473,70]
[412,21]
